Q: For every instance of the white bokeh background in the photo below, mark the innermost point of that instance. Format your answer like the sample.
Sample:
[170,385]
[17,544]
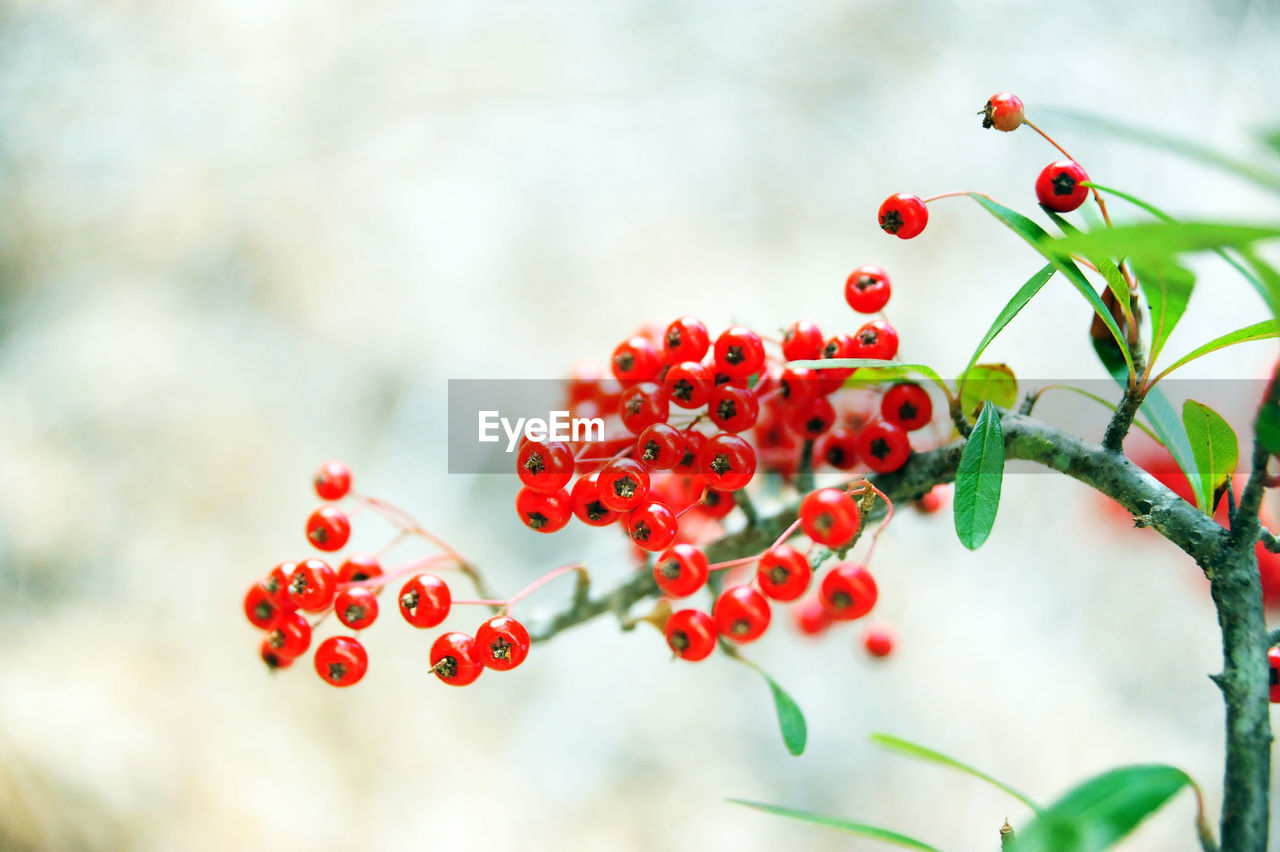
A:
[239,238]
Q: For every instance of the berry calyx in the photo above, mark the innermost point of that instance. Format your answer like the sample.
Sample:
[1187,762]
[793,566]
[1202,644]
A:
[1003,111]
[425,600]
[454,659]
[341,661]
[502,643]
[727,462]
[867,289]
[652,526]
[356,607]
[739,353]
[1058,186]
[544,513]
[904,215]
[291,636]
[544,467]
[883,446]
[332,480]
[847,592]
[878,641]
[312,585]
[624,484]
[686,339]
[741,614]
[681,570]
[328,528]
[830,516]
[907,405]
[587,505]
[691,634]
[783,573]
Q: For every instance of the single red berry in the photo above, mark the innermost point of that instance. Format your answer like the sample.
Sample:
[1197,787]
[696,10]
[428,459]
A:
[635,360]
[1003,112]
[587,505]
[661,446]
[454,659]
[717,504]
[291,635]
[813,418]
[694,441]
[332,481]
[883,447]
[904,215]
[830,516]
[425,600]
[544,513]
[1273,659]
[867,289]
[733,408]
[688,384]
[907,405]
[258,606]
[624,484]
[273,658]
[328,528]
[359,567]
[1058,186]
[783,573]
[727,461]
[680,571]
[652,526]
[847,592]
[877,339]
[544,466]
[810,617]
[356,607]
[680,491]
[798,385]
[838,346]
[741,614]
[341,661]
[839,448]
[277,583]
[691,634]
[739,353]
[502,643]
[932,500]
[686,339]
[878,641]
[642,405]
[802,341]
[312,585]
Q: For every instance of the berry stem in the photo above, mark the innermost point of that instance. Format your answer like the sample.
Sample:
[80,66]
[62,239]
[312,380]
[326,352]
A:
[547,578]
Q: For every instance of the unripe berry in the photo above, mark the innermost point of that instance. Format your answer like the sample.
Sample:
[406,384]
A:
[1003,112]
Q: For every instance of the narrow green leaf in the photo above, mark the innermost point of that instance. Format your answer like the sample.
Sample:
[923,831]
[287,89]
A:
[1267,275]
[1173,434]
[1167,287]
[1158,239]
[1020,299]
[1264,330]
[795,733]
[1106,268]
[885,370]
[1213,444]
[860,829]
[983,382]
[978,479]
[910,749]
[1037,238]
[1102,811]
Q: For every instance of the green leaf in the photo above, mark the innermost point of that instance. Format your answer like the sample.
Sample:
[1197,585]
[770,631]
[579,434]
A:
[910,749]
[978,479]
[1268,427]
[1167,287]
[1020,299]
[790,720]
[1268,276]
[1214,446]
[884,370]
[983,382]
[1106,268]
[1037,238]
[1158,239]
[1264,330]
[860,829]
[1173,435]
[1102,811]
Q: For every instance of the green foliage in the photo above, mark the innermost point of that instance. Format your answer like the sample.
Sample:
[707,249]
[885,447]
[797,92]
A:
[910,749]
[795,732]
[978,479]
[1159,239]
[1268,427]
[858,828]
[1020,299]
[1167,287]
[1264,330]
[1173,437]
[988,382]
[1215,447]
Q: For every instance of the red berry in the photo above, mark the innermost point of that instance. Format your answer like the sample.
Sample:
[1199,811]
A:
[810,617]
[798,385]
[739,353]
[312,585]
[694,441]
[635,360]
[686,339]
[733,408]
[587,504]
[802,341]
[332,481]
[544,467]
[356,607]
[544,513]
[727,461]
[258,606]
[741,614]
[624,484]
[328,528]
[425,600]
[903,215]
[883,447]
[688,384]
[1273,659]
[877,339]
[783,573]
[277,583]
[717,504]
[830,516]
[878,641]
[652,526]
[839,448]
[661,446]
[907,405]
[848,592]
[291,635]
[932,500]
[691,634]
[454,659]
[867,289]
[341,661]
[642,405]
[358,567]
[813,418]
[681,571]
[1058,186]
[838,346]
[273,658]
[502,643]
[1003,112]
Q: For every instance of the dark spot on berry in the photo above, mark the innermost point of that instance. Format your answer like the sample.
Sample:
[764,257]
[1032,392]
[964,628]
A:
[682,390]
[721,464]
[641,531]
[337,671]
[823,522]
[1063,184]
[727,409]
[734,355]
[409,602]
[319,535]
[597,510]
[689,459]
[360,576]
[272,584]
[536,520]
[273,661]
[298,584]
[987,112]
[670,569]
[679,640]
[741,627]
[841,600]
[674,338]
[907,411]
[624,361]
[1275,677]
[722,379]
[864,282]
[262,609]
[835,456]
[712,499]
[778,575]
[276,638]
[891,221]
[355,612]
[634,403]
[651,449]
[625,487]
[880,448]
[815,425]
[868,337]
[500,649]
[534,464]
[447,668]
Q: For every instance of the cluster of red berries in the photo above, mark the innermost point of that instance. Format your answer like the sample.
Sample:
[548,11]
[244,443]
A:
[279,603]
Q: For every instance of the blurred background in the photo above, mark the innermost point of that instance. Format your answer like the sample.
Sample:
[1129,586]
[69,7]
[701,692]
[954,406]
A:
[239,238]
